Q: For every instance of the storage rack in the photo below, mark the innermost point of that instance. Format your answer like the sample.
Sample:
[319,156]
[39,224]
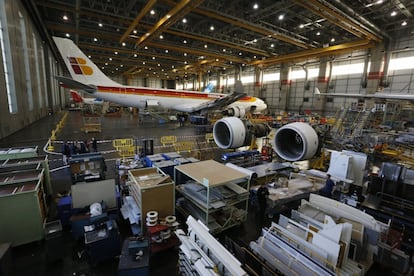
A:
[24,191]
[216,194]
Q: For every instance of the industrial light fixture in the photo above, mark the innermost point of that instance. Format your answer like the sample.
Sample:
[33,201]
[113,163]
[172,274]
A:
[161,37]
[318,33]
[123,44]
[152,12]
[95,39]
[205,46]
[393,13]
[134,31]
[115,52]
[185,41]
[301,26]
[184,20]
[255,6]
[224,50]
[106,63]
[185,54]
[166,51]
[67,35]
[135,55]
[65,17]
[146,47]
[100,25]
[272,45]
[89,56]
[281,17]
[110,59]
[332,39]
[211,28]
[153,58]
[404,23]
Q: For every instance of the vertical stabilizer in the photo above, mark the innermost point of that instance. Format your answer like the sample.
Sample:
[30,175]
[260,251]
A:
[80,67]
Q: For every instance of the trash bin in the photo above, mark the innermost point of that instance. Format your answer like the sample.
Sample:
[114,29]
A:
[54,241]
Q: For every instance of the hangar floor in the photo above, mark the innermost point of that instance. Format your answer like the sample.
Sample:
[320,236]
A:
[30,259]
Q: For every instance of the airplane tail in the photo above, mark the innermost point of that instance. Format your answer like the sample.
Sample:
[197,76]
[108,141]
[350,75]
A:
[209,88]
[81,68]
[317,92]
[77,98]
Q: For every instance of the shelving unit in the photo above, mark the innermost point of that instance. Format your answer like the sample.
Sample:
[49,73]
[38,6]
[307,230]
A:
[152,190]
[16,153]
[24,192]
[216,194]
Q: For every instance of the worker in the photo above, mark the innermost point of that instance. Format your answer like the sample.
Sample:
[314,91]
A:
[65,152]
[328,188]
[94,144]
[262,195]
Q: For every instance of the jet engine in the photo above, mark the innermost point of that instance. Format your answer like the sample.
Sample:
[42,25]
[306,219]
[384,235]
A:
[231,132]
[236,111]
[296,141]
[293,142]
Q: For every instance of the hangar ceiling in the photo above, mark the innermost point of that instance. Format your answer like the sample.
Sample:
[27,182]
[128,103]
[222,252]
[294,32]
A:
[175,39]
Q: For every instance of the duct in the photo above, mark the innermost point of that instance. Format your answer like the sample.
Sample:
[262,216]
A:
[232,132]
[296,141]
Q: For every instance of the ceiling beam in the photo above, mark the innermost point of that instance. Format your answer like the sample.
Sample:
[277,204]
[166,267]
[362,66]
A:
[134,23]
[179,10]
[316,53]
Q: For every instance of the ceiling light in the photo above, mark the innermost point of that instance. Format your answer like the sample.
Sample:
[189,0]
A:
[272,45]
[185,62]
[103,67]
[166,51]
[281,17]
[115,52]
[146,47]
[153,58]
[135,55]
[134,31]
[224,50]
[158,65]
[211,28]
[67,35]
[185,54]
[106,63]
[255,6]
[318,33]
[143,62]
[254,57]
[205,46]
[404,23]
[110,59]
[184,20]
[100,25]
[172,66]
[152,12]
[332,39]
[95,39]
[301,26]
[185,41]
[65,17]
[123,43]
[122,65]
[217,59]
[254,40]
[161,37]
[393,13]
[89,56]
[240,53]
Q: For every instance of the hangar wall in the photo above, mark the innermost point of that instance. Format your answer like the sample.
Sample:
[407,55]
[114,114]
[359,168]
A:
[33,66]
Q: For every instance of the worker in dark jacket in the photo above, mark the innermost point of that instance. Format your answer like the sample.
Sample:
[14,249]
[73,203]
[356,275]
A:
[262,195]
[328,188]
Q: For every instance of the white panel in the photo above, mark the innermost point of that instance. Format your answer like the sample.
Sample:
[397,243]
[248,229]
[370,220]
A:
[85,193]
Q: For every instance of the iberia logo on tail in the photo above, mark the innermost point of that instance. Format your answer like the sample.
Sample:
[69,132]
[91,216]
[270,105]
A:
[79,67]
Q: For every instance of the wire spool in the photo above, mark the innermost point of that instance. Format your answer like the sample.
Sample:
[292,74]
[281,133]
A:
[170,219]
[152,220]
[149,223]
[152,214]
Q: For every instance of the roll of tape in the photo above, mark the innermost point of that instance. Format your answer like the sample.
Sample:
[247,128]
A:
[170,219]
[152,214]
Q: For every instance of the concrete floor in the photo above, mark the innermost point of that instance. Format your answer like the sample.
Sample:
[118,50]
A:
[30,259]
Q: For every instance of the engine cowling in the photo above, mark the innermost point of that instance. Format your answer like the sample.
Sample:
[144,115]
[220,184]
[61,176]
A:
[236,111]
[232,132]
[296,141]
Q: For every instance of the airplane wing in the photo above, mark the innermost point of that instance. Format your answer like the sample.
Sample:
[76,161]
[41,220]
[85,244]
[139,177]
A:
[71,83]
[217,103]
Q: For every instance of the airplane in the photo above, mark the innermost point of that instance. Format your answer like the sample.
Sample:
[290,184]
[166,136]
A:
[378,95]
[79,99]
[86,76]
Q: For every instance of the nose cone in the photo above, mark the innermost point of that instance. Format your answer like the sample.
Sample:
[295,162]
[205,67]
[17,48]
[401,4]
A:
[261,105]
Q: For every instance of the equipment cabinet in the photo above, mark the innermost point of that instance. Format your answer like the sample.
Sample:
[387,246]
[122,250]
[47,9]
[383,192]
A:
[152,190]
[216,194]
[23,205]
[87,167]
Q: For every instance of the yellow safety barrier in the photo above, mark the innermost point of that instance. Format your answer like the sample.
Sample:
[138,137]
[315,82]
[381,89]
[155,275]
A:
[209,137]
[129,142]
[126,151]
[184,146]
[50,147]
[171,140]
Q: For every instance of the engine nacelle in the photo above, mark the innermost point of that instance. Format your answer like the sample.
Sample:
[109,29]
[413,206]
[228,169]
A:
[232,132]
[236,111]
[296,141]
